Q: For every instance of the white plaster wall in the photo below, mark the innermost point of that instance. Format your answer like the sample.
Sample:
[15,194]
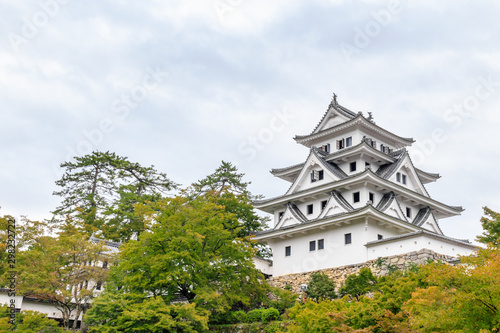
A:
[416,244]
[263,265]
[356,138]
[316,207]
[335,253]
[306,182]
[50,310]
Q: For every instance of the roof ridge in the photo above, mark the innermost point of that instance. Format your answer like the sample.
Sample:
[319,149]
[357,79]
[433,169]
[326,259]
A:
[336,106]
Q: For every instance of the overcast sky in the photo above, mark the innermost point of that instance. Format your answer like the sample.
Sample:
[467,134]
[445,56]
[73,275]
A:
[183,85]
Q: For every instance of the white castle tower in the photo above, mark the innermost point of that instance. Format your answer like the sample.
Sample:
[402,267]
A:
[356,197]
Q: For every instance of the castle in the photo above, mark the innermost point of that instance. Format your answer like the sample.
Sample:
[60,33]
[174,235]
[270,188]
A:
[357,197]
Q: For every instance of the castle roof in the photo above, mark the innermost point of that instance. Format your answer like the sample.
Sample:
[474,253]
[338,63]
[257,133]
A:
[359,120]
[393,159]
[367,175]
[422,232]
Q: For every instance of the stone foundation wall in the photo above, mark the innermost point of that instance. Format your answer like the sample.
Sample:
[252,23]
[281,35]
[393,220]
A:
[379,267]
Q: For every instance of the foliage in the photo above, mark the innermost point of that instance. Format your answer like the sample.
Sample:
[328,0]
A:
[320,287]
[149,314]
[323,316]
[58,269]
[359,284]
[240,316]
[397,288]
[28,322]
[4,223]
[491,227]
[463,297]
[280,299]
[100,189]
[254,315]
[191,249]
[227,188]
[270,315]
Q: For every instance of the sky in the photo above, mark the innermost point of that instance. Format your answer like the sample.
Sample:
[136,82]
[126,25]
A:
[183,85]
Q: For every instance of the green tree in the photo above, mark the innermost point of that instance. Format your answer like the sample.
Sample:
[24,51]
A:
[464,297]
[4,240]
[101,189]
[28,322]
[191,248]
[120,312]
[227,188]
[63,270]
[491,227]
[359,284]
[320,287]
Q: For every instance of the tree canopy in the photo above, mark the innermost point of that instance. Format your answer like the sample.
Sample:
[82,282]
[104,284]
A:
[60,267]
[100,189]
[192,249]
[491,227]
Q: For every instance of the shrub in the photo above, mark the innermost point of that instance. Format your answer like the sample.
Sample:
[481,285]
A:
[281,299]
[254,315]
[320,287]
[270,315]
[240,316]
[356,285]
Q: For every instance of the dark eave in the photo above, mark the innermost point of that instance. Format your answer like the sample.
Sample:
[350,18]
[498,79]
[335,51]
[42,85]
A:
[427,177]
[306,139]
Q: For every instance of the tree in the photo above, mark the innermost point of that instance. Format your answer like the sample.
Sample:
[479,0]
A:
[227,188]
[226,185]
[359,284]
[63,270]
[191,249]
[4,240]
[320,287]
[226,176]
[115,312]
[463,297]
[491,226]
[28,322]
[100,189]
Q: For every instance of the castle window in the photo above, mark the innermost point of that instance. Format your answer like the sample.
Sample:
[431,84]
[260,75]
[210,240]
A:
[343,143]
[288,251]
[355,197]
[408,212]
[98,286]
[280,215]
[323,204]
[371,197]
[385,149]
[347,239]
[348,141]
[321,244]
[403,177]
[105,264]
[398,177]
[312,246]
[317,175]
[352,166]
[309,209]
[325,148]
[379,237]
